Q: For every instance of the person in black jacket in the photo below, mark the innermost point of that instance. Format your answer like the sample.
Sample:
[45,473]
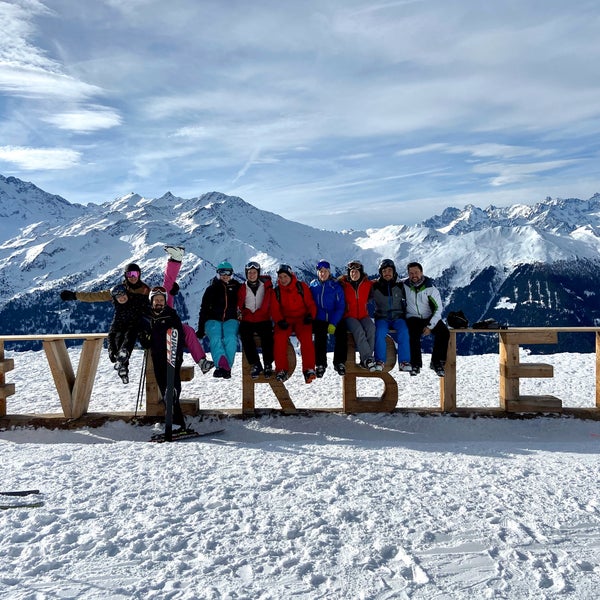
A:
[155,324]
[218,319]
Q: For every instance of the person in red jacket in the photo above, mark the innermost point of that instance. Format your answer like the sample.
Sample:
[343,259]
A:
[293,311]
[254,303]
[357,290]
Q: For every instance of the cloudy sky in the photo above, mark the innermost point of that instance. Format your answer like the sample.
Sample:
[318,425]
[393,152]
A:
[334,113]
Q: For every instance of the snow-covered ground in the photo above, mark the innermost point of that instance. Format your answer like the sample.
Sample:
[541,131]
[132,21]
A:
[322,506]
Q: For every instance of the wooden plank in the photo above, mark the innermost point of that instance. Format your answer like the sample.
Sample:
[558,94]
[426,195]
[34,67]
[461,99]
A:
[6,365]
[62,372]
[448,382]
[385,403]
[86,375]
[535,404]
[527,370]
[508,388]
[540,336]
[187,372]
[6,390]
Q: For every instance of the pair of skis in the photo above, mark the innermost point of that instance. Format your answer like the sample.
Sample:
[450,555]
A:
[29,503]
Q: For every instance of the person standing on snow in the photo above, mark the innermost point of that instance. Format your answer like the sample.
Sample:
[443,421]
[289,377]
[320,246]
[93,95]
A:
[218,319]
[293,311]
[254,303]
[159,318]
[329,299]
[424,317]
[390,314]
[357,291]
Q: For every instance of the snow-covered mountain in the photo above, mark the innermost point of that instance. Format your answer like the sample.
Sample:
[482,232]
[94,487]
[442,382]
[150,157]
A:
[525,265]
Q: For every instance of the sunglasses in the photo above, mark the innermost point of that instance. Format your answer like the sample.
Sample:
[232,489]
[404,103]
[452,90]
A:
[132,273]
[227,272]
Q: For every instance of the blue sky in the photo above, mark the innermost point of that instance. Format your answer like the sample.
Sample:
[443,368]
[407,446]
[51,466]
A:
[335,113]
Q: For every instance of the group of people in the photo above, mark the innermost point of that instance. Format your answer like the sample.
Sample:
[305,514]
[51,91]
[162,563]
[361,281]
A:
[404,308]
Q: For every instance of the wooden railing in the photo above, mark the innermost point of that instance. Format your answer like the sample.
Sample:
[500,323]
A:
[74,389]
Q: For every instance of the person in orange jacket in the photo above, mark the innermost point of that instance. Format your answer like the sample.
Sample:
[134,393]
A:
[293,311]
[357,291]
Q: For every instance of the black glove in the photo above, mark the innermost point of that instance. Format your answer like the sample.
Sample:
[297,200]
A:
[145,338]
[307,320]
[200,332]
[175,289]
[283,324]
[67,295]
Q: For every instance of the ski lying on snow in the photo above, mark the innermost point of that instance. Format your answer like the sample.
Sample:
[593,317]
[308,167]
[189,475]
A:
[21,505]
[20,493]
[184,434]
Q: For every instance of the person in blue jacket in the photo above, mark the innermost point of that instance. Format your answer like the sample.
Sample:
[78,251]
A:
[390,316]
[328,295]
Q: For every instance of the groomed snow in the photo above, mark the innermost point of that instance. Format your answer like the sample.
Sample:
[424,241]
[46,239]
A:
[329,506]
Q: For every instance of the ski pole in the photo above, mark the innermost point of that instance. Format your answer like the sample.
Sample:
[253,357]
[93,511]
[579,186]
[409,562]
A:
[141,385]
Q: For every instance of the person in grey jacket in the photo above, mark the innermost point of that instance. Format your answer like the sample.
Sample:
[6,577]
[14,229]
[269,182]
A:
[424,317]
[390,316]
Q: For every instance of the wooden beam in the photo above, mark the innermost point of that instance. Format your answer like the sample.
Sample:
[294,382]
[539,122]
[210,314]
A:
[86,375]
[448,382]
[539,336]
[535,404]
[526,370]
[62,372]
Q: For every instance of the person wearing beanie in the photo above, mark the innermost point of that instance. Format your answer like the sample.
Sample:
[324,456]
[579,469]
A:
[390,316]
[218,319]
[357,291]
[329,299]
[293,311]
[424,317]
[254,304]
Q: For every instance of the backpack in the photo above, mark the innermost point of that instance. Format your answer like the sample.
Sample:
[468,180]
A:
[457,320]
[489,324]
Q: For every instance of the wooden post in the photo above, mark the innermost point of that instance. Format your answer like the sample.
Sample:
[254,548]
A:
[6,389]
[448,382]
[62,372]
[86,374]
[279,389]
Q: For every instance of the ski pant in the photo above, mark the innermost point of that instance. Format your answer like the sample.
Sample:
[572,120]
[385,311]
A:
[340,352]
[121,338]
[303,332]
[223,339]
[363,332]
[441,337]
[192,343]
[264,330]
[400,336]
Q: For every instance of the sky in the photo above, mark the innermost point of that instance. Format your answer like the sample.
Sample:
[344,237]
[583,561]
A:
[315,506]
[337,114]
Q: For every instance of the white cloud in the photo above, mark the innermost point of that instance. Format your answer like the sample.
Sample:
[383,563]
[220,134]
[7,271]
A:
[33,159]
[85,120]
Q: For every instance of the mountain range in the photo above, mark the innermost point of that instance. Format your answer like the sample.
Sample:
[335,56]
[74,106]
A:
[524,265]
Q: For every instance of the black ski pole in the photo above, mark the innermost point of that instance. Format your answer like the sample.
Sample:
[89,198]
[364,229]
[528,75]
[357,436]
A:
[140,394]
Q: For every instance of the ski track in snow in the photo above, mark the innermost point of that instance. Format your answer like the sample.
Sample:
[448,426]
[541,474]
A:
[328,506]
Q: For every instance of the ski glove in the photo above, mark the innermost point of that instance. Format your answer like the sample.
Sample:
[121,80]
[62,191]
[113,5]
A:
[67,295]
[307,320]
[175,289]
[282,324]
[331,328]
[200,332]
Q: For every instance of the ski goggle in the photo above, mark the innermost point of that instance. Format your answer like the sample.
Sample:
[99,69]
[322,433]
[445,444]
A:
[132,273]
[159,290]
[354,265]
[225,272]
[323,264]
[253,265]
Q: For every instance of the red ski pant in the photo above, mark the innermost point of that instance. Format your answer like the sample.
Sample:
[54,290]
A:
[304,334]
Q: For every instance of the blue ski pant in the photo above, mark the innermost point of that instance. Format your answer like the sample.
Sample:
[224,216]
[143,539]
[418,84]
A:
[223,339]
[400,336]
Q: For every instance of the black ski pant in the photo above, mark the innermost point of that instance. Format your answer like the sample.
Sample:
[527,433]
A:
[264,330]
[441,337]
[340,351]
[121,338]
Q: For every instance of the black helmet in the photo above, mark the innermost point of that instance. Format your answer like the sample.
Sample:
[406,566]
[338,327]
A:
[118,290]
[132,267]
[355,264]
[387,263]
[252,265]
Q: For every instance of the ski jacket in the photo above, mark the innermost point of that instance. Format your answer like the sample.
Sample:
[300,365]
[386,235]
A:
[329,299]
[423,301]
[254,302]
[219,302]
[139,288]
[389,298]
[293,301]
[129,314]
[357,295]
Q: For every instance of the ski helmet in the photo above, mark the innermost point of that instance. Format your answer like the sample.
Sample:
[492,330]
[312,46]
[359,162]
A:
[225,268]
[132,267]
[387,263]
[158,291]
[252,265]
[118,290]
[355,264]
